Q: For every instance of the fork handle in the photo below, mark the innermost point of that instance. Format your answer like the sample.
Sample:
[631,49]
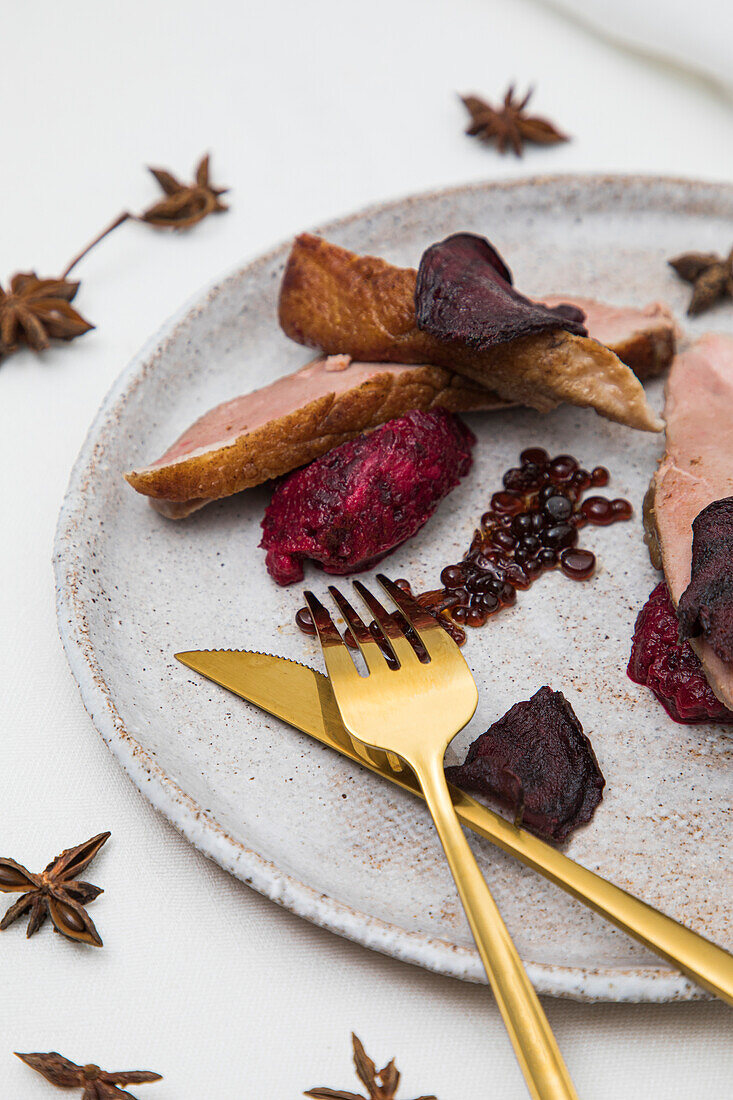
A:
[529,1030]
[707,964]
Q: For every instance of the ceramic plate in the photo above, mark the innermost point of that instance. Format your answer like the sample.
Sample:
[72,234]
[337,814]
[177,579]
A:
[293,820]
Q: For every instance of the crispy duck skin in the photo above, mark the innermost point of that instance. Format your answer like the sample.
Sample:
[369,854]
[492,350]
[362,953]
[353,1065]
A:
[338,302]
[296,419]
[644,339]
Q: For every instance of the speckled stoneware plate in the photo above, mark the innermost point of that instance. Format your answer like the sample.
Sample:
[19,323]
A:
[332,843]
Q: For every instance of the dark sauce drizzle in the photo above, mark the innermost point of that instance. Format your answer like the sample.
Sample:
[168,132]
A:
[531,527]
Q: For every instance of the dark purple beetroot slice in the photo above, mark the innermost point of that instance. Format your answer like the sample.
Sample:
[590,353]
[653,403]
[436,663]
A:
[353,505]
[671,668]
[706,605]
[464,294]
[537,760]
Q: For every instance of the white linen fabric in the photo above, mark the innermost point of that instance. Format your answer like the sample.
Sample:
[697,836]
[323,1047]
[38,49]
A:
[698,36]
[310,110]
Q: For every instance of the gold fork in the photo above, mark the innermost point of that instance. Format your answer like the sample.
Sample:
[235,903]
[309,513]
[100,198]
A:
[411,707]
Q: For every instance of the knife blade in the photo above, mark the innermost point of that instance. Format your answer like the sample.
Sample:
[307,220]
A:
[304,699]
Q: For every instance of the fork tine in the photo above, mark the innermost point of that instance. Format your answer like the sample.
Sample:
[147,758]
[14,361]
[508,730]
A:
[368,646]
[416,615]
[389,625]
[339,664]
[328,634]
[435,640]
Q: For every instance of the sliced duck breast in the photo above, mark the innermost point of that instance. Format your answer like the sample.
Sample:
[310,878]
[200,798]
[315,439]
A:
[294,420]
[696,470]
[644,339]
[335,301]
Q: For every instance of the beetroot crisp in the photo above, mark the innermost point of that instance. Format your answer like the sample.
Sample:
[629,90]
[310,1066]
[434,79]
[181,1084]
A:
[349,508]
[671,667]
[464,294]
[706,605]
[538,762]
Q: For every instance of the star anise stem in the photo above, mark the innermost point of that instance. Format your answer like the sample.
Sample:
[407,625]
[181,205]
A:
[34,311]
[183,206]
[125,216]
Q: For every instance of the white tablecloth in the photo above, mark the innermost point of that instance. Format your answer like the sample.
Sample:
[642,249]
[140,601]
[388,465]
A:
[310,110]
[697,37]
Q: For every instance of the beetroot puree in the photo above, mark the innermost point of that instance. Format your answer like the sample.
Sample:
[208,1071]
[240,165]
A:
[349,508]
[671,668]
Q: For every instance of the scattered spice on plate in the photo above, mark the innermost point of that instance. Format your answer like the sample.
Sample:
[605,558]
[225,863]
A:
[509,125]
[380,1084]
[537,761]
[55,892]
[711,277]
[35,310]
[96,1082]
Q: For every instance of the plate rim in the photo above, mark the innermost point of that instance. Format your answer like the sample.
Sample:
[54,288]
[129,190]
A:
[642,984]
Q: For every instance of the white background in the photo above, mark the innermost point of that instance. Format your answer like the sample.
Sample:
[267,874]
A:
[310,110]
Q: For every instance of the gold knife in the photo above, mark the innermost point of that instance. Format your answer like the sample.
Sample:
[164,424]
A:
[303,698]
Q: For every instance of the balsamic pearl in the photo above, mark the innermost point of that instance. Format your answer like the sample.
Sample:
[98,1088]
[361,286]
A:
[537,456]
[558,508]
[577,564]
[452,576]
[559,536]
[621,509]
[304,620]
[531,525]
[530,544]
[508,594]
[547,558]
[522,524]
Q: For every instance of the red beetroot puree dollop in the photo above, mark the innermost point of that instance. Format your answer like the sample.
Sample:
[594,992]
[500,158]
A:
[671,668]
[349,508]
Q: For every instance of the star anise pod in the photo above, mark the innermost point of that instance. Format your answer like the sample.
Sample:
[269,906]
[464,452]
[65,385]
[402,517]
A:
[35,310]
[711,277]
[380,1084]
[96,1082]
[184,204]
[55,892]
[508,125]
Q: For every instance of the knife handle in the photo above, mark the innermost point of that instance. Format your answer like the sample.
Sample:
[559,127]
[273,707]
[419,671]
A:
[704,962]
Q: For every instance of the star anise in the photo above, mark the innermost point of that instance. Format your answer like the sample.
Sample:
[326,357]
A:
[96,1082]
[508,125]
[184,204]
[55,892]
[35,310]
[380,1084]
[711,277]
